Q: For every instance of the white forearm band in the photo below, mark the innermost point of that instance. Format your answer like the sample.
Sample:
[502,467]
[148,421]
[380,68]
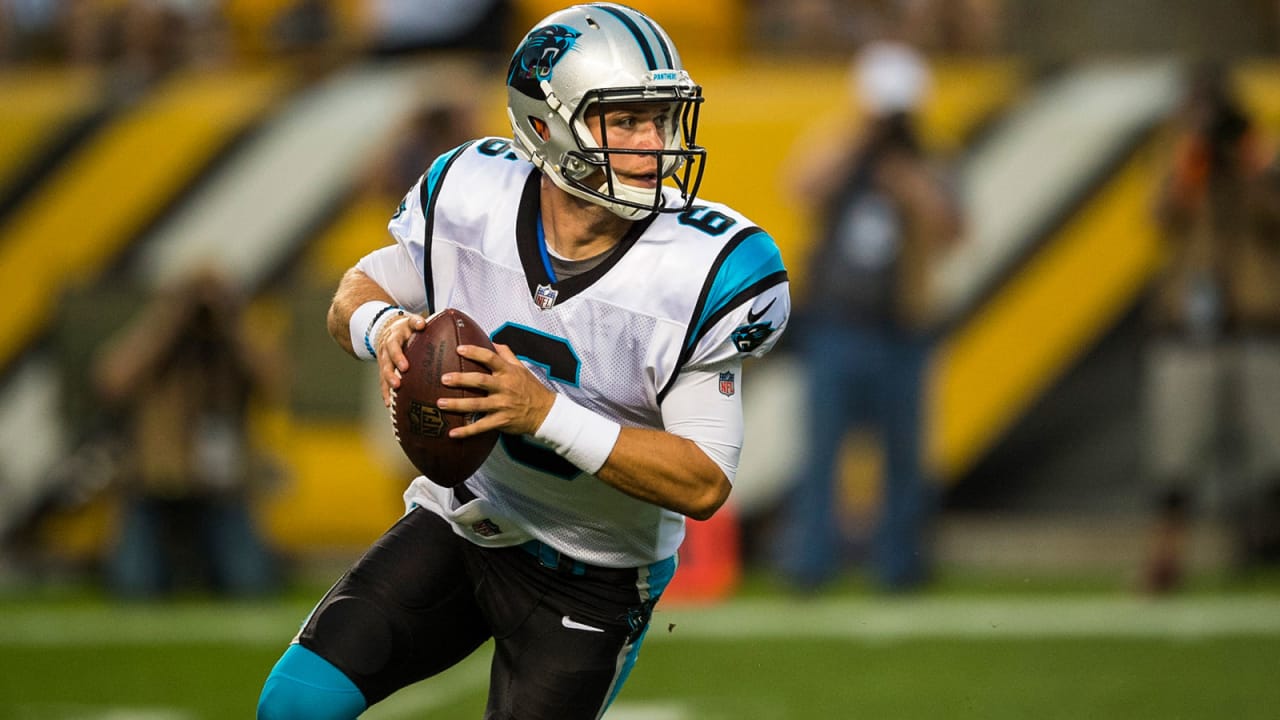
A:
[365,323]
[579,435]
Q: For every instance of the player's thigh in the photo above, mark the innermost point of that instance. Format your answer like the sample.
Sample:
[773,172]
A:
[564,643]
[556,673]
[549,671]
[403,612]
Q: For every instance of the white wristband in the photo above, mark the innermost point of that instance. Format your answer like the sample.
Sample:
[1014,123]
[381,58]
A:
[360,327]
[579,435]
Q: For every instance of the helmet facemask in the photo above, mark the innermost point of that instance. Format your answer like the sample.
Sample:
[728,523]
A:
[589,170]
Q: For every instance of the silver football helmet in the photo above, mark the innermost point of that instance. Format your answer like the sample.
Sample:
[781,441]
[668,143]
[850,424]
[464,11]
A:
[596,54]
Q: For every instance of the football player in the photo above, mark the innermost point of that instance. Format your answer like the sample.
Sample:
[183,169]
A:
[621,307]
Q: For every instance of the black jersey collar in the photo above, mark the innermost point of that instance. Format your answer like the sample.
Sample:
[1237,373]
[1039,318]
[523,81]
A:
[535,272]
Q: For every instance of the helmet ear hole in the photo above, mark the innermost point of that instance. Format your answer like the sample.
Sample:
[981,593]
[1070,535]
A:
[540,127]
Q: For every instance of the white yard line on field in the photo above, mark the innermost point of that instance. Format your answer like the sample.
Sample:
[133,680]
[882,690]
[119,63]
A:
[648,711]
[869,619]
[95,712]
[151,625]
[977,618]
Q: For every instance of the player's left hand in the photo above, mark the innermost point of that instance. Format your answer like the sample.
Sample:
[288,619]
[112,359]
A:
[517,402]
[390,343]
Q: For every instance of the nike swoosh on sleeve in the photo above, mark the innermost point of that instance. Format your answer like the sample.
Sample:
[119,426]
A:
[752,317]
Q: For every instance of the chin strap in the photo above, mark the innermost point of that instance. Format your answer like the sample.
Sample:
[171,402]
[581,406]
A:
[640,196]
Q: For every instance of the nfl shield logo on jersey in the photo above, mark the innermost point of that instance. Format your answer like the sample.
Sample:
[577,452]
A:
[726,384]
[545,297]
[485,528]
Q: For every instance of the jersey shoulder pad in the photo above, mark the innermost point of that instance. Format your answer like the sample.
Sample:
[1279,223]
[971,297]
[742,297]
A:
[488,160]
[745,300]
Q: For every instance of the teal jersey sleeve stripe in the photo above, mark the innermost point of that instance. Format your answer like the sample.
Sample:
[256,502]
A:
[749,264]
[427,202]
[754,259]
[436,171]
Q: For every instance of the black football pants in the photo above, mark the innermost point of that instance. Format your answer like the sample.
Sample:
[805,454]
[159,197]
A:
[422,598]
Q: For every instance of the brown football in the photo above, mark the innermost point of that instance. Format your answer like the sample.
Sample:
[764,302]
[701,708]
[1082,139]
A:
[421,428]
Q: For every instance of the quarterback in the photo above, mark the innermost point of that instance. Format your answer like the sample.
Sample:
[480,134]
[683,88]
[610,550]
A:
[621,307]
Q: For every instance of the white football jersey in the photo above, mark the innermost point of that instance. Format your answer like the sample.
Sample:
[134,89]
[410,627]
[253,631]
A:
[687,293]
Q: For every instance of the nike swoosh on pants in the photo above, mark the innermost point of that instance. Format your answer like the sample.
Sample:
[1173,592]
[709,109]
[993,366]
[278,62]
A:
[565,621]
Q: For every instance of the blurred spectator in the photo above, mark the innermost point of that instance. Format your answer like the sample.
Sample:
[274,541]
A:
[154,43]
[29,29]
[831,27]
[304,26]
[311,33]
[952,27]
[180,378]
[432,129]
[814,27]
[140,42]
[1212,400]
[867,316]
[398,26]
[88,29]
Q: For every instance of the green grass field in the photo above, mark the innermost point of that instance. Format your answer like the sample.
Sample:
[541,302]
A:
[949,653]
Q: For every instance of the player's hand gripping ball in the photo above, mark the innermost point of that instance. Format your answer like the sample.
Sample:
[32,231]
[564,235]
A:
[422,428]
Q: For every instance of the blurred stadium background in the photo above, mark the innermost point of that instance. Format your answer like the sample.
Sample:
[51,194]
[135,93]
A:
[140,139]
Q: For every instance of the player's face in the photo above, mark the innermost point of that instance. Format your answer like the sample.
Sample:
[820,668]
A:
[633,126]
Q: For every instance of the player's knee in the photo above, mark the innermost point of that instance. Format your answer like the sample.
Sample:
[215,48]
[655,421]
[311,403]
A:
[305,686]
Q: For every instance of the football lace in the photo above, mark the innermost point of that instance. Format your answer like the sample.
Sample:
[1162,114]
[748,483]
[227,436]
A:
[395,426]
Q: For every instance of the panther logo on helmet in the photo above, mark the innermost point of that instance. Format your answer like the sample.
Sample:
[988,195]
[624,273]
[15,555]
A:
[538,56]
